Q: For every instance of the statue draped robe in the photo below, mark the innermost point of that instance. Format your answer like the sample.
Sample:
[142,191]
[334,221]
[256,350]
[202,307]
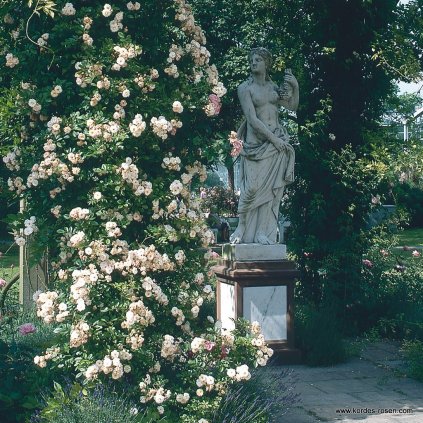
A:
[264,173]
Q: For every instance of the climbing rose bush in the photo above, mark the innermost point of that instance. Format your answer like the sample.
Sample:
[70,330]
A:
[111,105]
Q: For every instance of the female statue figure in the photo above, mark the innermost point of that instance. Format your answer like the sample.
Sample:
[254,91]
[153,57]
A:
[267,158]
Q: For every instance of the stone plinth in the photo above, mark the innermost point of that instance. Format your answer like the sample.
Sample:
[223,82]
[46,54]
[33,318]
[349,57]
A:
[260,290]
[253,252]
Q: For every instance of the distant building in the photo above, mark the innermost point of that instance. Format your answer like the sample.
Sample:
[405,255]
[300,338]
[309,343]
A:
[411,128]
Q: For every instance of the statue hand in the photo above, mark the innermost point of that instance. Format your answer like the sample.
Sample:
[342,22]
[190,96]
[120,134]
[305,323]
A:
[291,80]
[280,144]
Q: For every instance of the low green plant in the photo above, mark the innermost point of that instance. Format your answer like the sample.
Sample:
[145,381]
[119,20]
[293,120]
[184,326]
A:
[319,335]
[22,337]
[413,351]
[103,404]
[267,395]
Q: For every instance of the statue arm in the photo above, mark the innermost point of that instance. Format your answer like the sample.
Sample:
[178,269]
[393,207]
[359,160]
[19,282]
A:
[290,102]
[251,116]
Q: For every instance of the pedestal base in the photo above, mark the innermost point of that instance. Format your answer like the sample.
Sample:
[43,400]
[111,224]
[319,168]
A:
[286,355]
[263,291]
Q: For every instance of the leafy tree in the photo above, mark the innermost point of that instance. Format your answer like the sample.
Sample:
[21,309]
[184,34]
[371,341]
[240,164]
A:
[348,51]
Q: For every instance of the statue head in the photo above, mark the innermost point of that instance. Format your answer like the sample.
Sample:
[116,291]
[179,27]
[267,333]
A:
[265,55]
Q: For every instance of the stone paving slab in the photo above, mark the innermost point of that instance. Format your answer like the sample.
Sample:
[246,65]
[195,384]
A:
[372,381]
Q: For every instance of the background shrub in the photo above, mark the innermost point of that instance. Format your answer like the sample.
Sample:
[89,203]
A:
[414,354]
[268,394]
[319,335]
[22,381]
[103,404]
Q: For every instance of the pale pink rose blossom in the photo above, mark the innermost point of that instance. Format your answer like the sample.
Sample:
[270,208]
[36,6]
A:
[215,101]
[208,345]
[236,144]
[367,263]
[27,328]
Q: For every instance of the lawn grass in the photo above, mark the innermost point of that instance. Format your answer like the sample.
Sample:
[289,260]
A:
[9,260]
[9,267]
[411,237]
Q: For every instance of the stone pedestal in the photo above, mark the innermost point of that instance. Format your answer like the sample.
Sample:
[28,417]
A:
[253,252]
[256,282]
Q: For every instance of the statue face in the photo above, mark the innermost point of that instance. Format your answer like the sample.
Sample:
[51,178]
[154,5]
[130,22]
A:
[257,64]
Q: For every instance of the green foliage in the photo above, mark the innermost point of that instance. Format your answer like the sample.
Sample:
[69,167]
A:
[410,198]
[213,180]
[22,381]
[221,201]
[401,107]
[413,351]
[346,87]
[319,335]
[412,236]
[390,296]
[330,211]
[267,395]
[99,405]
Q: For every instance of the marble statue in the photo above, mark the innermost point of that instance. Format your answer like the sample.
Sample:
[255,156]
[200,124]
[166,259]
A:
[267,157]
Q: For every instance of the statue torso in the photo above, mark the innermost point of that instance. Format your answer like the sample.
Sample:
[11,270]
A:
[265,99]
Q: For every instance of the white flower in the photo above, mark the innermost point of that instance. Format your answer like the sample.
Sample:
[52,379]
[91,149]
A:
[11,61]
[196,344]
[28,231]
[8,19]
[133,6]
[76,239]
[68,10]
[231,373]
[161,126]
[255,328]
[80,306]
[114,27]
[180,256]
[36,294]
[107,10]
[133,411]
[121,61]
[176,187]
[97,195]
[137,126]
[177,107]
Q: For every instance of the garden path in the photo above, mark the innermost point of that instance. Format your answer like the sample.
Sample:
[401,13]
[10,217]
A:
[375,380]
